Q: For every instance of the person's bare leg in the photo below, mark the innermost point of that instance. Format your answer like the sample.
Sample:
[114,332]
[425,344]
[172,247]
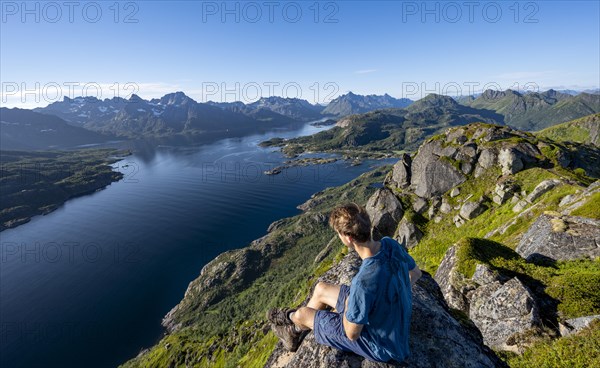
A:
[304,318]
[324,295]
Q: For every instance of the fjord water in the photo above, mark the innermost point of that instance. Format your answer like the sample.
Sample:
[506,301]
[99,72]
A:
[88,284]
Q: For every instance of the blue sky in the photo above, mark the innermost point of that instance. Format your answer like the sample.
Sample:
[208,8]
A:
[404,48]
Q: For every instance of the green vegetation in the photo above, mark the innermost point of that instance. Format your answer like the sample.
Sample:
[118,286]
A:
[583,130]
[36,183]
[577,351]
[471,251]
[591,208]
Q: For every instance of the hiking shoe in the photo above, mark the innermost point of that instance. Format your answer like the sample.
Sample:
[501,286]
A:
[290,336]
[279,316]
[285,329]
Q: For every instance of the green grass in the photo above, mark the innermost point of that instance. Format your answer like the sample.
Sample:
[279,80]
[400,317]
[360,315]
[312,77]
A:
[573,131]
[577,351]
[258,354]
[471,251]
[591,208]
[575,285]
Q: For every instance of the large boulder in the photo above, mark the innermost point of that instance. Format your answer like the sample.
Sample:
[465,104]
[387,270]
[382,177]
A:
[515,157]
[432,171]
[487,159]
[503,192]
[561,238]
[409,233]
[420,205]
[401,172]
[510,162]
[453,284]
[469,210]
[503,310]
[437,339]
[456,287]
[385,211]
[467,156]
[498,305]
[541,189]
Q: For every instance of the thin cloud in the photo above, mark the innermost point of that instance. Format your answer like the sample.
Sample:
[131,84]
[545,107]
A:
[530,75]
[365,71]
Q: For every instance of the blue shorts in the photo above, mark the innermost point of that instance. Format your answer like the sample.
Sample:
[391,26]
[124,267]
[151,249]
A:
[329,329]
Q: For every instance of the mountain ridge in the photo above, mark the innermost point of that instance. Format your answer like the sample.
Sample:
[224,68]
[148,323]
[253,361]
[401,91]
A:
[28,130]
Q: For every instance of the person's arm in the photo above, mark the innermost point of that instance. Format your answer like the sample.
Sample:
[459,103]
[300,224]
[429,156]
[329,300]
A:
[352,330]
[414,275]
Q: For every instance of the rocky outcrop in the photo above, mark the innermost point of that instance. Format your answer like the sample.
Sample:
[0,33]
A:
[499,308]
[571,203]
[385,211]
[470,210]
[561,238]
[433,175]
[408,234]
[535,194]
[510,161]
[420,205]
[484,275]
[503,192]
[541,189]
[516,156]
[453,285]
[502,310]
[401,172]
[437,338]
[574,325]
[487,158]
[487,133]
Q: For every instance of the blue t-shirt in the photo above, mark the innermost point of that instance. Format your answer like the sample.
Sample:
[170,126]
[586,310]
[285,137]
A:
[381,299]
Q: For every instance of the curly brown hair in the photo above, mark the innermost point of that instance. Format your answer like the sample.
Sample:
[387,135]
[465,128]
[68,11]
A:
[351,220]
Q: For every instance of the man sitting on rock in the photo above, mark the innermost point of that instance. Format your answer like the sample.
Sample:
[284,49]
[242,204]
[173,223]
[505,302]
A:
[372,315]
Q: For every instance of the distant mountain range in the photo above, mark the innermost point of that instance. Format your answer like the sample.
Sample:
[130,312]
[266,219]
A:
[294,108]
[357,104]
[28,130]
[91,120]
[389,130]
[535,111]
[174,113]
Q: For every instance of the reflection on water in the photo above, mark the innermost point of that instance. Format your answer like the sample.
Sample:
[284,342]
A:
[88,284]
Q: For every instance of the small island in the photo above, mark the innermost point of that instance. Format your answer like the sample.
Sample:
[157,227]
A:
[300,162]
[38,182]
[324,123]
